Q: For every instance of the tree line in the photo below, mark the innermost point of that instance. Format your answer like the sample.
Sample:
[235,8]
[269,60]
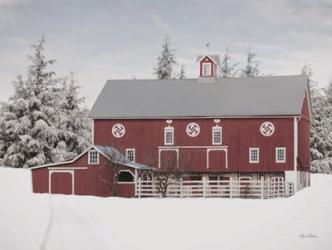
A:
[167,64]
[46,119]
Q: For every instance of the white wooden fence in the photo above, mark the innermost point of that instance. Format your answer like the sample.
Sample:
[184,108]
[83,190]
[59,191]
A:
[228,189]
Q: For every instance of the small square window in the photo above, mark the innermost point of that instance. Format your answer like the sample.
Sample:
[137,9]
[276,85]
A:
[280,155]
[169,136]
[253,155]
[216,135]
[130,154]
[93,157]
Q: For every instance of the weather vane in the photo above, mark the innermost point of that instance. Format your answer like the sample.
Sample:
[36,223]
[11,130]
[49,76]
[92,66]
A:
[208,47]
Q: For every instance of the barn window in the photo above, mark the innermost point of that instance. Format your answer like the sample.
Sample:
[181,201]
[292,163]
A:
[216,135]
[130,154]
[93,157]
[253,155]
[125,177]
[280,155]
[169,136]
[206,69]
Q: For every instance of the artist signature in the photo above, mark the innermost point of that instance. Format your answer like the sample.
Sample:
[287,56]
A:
[309,235]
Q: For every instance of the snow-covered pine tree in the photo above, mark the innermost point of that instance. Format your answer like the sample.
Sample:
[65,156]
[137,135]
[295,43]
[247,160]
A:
[73,122]
[316,134]
[320,133]
[29,131]
[34,123]
[252,65]
[165,61]
[182,74]
[227,69]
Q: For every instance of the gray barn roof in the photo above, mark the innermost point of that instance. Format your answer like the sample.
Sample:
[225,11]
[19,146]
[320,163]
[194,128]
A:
[260,96]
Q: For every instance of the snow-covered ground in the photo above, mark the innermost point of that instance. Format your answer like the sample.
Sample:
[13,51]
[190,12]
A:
[39,221]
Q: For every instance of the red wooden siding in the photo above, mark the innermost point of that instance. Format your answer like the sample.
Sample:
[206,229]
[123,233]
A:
[147,136]
[40,180]
[61,183]
[193,159]
[87,181]
[168,159]
[213,66]
[217,160]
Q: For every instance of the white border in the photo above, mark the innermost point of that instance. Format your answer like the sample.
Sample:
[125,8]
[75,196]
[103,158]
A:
[120,125]
[134,153]
[77,157]
[168,149]
[50,172]
[261,128]
[89,162]
[250,160]
[208,150]
[216,128]
[207,63]
[93,131]
[68,162]
[276,154]
[169,129]
[194,124]
[126,170]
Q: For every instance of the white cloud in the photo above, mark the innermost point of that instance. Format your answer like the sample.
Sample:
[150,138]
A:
[160,23]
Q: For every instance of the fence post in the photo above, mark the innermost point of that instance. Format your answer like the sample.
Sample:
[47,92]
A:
[204,188]
[139,187]
[262,187]
[181,188]
[231,187]
[283,188]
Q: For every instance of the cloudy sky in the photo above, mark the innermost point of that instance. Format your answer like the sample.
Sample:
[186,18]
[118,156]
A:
[107,39]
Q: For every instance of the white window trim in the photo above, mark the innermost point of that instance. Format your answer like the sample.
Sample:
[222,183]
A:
[168,129]
[284,160]
[89,160]
[168,149]
[127,182]
[134,153]
[250,160]
[210,65]
[61,171]
[208,150]
[216,128]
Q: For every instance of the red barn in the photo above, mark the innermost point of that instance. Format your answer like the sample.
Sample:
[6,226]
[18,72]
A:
[208,128]
[90,173]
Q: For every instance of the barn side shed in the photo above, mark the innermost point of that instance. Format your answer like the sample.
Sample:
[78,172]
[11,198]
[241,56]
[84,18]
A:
[90,173]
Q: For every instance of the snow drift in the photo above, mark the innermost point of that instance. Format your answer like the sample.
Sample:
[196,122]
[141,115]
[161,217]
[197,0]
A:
[35,221]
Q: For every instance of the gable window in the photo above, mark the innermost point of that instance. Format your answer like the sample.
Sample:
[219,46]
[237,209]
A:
[253,155]
[280,155]
[93,157]
[130,154]
[169,136]
[216,135]
[206,69]
[125,176]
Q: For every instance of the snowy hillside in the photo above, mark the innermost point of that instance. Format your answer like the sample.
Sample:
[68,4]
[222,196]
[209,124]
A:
[31,221]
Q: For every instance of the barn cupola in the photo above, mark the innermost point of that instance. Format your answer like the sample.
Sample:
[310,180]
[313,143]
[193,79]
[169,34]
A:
[208,65]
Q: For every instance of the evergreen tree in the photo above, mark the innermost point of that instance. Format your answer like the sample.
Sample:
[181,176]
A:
[316,139]
[30,134]
[321,126]
[182,74]
[227,69]
[73,122]
[33,128]
[166,60]
[252,65]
